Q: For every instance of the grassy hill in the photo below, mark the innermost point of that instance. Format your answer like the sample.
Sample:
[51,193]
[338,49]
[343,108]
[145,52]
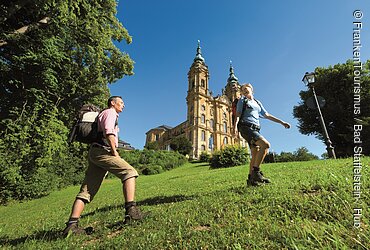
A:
[309,205]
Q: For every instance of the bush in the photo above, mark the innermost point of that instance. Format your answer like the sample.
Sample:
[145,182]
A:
[204,157]
[154,145]
[152,169]
[229,157]
[182,145]
[150,162]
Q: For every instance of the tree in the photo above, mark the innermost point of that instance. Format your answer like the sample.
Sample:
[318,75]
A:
[302,154]
[285,157]
[154,145]
[182,145]
[336,85]
[55,55]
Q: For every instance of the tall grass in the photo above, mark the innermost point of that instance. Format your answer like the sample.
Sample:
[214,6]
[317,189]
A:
[309,205]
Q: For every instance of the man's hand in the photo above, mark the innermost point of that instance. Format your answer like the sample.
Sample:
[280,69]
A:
[114,152]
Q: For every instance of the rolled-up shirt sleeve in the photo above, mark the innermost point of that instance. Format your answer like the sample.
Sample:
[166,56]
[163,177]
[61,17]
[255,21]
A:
[107,122]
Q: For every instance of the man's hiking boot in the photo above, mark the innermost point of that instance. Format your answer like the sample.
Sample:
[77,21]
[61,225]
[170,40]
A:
[251,182]
[73,228]
[133,213]
[257,176]
[264,179]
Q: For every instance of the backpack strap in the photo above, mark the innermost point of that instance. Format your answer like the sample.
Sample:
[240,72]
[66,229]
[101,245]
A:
[245,102]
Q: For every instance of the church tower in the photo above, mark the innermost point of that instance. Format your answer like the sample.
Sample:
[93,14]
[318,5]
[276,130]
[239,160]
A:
[230,91]
[198,104]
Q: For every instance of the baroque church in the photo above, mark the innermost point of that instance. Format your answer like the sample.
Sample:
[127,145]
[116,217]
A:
[209,119]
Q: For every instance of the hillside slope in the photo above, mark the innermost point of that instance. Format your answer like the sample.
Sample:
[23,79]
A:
[309,205]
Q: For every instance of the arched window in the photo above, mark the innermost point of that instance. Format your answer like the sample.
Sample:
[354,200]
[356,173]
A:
[203,83]
[203,119]
[225,141]
[203,135]
[210,144]
[203,107]
[211,123]
[225,127]
[191,120]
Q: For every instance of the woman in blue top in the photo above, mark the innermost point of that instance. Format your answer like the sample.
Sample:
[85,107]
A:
[248,112]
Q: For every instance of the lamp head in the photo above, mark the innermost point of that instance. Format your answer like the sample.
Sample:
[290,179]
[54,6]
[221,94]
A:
[309,78]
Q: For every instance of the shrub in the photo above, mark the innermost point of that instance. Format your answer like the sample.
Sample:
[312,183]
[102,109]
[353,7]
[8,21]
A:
[204,157]
[182,145]
[229,157]
[150,162]
[152,169]
[154,145]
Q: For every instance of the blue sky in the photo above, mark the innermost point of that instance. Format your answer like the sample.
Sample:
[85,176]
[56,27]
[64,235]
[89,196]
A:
[271,45]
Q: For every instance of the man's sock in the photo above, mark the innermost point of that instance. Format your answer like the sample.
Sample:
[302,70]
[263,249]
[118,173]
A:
[256,169]
[72,220]
[129,204]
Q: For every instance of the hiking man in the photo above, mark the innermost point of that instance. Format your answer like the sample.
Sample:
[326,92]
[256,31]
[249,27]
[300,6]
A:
[103,157]
[248,112]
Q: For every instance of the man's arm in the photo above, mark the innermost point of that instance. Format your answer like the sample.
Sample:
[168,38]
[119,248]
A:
[277,120]
[112,143]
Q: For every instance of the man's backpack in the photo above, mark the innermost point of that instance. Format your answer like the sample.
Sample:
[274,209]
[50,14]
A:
[85,129]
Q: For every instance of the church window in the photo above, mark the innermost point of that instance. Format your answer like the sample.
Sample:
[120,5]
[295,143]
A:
[157,137]
[225,127]
[203,108]
[211,123]
[203,119]
[191,120]
[225,141]
[203,83]
[203,135]
[224,115]
[211,142]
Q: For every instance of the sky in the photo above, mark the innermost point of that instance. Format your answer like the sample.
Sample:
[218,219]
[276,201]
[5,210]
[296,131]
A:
[271,44]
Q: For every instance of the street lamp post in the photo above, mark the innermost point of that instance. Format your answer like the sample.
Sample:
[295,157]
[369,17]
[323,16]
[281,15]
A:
[309,80]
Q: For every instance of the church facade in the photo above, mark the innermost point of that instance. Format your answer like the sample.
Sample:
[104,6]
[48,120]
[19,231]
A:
[209,119]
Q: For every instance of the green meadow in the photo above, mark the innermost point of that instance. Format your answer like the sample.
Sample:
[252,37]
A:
[309,205]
